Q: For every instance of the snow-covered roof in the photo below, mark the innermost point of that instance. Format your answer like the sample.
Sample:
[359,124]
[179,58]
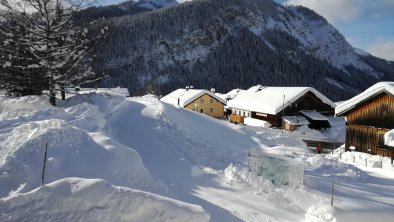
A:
[187,96]
[231,95]
[270,99]
[389,138]
[116,91]
[371,92]
[295,120]
[314,115]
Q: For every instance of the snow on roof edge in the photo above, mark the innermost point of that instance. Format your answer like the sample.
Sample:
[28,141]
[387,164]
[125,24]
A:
[369,93]
[203,91]
[187,96]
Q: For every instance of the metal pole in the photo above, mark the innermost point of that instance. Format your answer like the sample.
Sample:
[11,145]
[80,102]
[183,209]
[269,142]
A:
[43,167]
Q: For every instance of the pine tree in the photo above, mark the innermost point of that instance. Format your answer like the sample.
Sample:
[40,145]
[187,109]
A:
[53,44]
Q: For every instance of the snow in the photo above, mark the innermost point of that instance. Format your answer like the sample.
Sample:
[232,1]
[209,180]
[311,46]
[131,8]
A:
[269,100]
[389,138]
[139,159]
[295,120]
[76,199]
[334,82]
[116,91]
[231,95]
[371,92]
[314,115]
[256,122]
[186,96]
[321,38]
[361,52]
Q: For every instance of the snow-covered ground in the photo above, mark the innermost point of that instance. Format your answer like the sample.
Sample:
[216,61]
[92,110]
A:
[137,159]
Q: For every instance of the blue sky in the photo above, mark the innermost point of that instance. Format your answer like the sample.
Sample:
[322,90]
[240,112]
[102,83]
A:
[366,24]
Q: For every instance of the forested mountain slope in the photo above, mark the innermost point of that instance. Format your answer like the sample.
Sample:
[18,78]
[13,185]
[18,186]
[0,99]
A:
[229,44]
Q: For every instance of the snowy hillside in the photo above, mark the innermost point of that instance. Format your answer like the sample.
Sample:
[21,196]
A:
[111,157]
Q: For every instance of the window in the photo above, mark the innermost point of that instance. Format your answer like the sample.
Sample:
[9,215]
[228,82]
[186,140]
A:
[211,100]
[201,101]
[201,110]
[211,110]
[244,114]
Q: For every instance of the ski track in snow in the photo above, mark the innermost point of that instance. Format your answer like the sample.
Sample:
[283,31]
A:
[141,143]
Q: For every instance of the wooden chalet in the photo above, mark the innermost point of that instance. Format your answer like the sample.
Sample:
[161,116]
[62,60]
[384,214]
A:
[369,116]
[272,103]
[198,100]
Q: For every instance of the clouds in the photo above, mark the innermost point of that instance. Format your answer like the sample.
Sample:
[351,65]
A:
[383,50]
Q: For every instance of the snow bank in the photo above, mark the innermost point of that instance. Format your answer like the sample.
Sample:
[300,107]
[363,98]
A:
[77,145]
[72,152]
[21,106]
[75,199]
[367,160]
[200,139]
[306,132]
[256,122]
[319,214]
[389,138]
[328,166]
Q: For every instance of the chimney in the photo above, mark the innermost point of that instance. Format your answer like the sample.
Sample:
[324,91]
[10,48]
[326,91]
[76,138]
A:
[187,88]
[213,90]
[191,87]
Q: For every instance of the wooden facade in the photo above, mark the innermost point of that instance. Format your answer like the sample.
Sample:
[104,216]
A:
[368,122]
[306,102]
[234,118]
[287,126]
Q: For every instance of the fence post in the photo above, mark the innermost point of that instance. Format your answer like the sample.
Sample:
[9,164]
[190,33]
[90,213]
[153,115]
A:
[332,193]
[43,166]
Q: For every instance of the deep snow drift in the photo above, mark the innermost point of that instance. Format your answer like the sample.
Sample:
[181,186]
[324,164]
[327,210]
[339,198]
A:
[103,150]
[75,199]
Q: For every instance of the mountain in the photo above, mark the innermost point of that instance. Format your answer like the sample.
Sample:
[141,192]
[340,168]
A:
[155,4]
[228,44]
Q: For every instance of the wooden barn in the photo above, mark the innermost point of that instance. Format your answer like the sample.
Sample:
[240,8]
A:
[198,100]
[272,103]
[369,116]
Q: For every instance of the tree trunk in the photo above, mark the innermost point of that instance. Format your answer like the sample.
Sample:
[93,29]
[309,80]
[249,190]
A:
[63,92]
[52,96]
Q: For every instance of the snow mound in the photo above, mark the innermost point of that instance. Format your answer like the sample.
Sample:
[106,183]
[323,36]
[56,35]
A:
[21,106]
[75,199]
[72,152]
[366,160]
[319,214]
[328,166]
